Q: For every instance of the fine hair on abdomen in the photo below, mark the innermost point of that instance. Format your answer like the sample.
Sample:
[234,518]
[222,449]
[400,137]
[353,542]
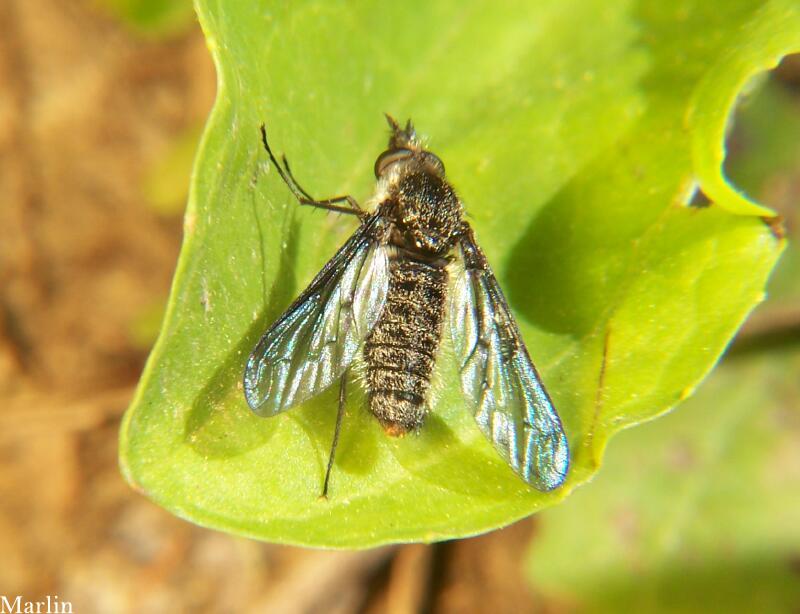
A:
[401,349]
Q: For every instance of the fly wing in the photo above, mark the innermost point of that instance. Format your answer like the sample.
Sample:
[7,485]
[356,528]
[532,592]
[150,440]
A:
[314,341]
[498,378]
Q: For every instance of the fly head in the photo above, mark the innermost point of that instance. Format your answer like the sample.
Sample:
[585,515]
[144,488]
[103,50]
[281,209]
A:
[425,207]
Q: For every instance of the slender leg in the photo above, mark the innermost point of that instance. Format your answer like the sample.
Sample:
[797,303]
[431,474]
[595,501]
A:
[303,197]
[339,416]
[291,176]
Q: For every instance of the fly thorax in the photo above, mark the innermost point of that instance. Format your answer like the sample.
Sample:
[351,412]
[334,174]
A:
[429,212]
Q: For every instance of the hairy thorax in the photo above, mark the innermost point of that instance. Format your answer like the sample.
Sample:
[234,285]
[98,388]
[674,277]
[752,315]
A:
[426,212]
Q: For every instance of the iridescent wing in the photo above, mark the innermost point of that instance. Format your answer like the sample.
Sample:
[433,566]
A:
[498,378]
[314,341]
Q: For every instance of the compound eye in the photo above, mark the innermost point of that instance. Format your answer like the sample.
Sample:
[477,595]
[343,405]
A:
[387,158]
[434,161]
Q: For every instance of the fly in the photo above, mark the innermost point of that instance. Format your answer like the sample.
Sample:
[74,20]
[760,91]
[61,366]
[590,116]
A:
[411,269]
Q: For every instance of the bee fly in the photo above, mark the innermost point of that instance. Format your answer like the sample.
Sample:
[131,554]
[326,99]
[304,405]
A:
[384,297]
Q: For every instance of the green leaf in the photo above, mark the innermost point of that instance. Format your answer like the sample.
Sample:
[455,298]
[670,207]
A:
[772,30]
[767,164]
[695,512]
[563,128]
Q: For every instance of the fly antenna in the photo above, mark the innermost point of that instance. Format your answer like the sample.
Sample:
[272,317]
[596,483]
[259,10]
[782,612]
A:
[392,122]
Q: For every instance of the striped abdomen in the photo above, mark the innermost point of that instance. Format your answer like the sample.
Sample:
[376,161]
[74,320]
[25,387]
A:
[400,351]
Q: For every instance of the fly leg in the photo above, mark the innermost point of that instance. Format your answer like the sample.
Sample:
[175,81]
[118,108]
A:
[337,428]
[304,198]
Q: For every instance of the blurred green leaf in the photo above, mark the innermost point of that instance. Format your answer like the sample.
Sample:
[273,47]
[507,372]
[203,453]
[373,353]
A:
[143,329]
[767,124]
[166,183]
[563,127]
[696,512]
[156,18]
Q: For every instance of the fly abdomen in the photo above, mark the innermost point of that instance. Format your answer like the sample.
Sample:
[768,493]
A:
[400,350]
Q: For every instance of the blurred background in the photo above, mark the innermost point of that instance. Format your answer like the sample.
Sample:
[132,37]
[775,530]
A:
[101,106]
